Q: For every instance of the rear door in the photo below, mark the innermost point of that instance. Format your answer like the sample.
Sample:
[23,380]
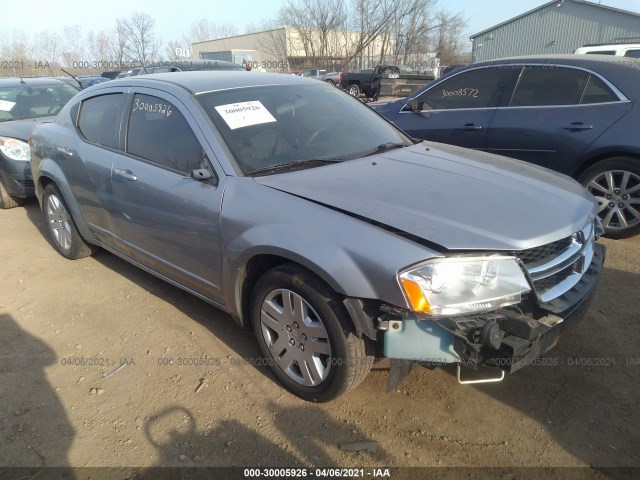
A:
[169,220]
[458,110]
[553,115]
[88,170]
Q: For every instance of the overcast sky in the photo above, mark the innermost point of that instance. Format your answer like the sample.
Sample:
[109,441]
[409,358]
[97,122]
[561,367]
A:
[174,17]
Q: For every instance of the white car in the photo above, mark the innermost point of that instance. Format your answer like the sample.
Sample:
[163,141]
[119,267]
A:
[618,49]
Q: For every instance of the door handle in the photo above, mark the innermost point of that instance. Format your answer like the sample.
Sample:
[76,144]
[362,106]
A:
[471,127]
[126,174]
[64,151]
[578,126]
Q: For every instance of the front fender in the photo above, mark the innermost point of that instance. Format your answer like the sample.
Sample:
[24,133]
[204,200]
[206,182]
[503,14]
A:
[353,257]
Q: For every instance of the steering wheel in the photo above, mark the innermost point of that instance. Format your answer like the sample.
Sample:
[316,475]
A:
[314,136]
[54,109]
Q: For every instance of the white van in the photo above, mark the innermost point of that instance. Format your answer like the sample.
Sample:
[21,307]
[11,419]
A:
[618,49]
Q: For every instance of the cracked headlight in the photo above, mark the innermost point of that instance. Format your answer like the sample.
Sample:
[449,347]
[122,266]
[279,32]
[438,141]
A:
[463,285]
[15,149]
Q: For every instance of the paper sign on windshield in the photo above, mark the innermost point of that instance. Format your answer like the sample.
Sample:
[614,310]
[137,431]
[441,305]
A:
[245,114]
[6,105]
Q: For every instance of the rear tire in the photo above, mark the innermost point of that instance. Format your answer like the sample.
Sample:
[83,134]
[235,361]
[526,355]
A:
[62,230]
[615,183]
[354,90]
[9,201]
[304,335]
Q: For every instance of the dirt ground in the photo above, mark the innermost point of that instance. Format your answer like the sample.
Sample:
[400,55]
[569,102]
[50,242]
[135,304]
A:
[64,325]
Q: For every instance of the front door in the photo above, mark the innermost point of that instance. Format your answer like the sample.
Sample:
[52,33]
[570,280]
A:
[169,220]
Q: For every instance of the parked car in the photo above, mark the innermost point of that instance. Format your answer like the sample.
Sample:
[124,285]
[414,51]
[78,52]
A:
[129,73]
[23,103]
[332,78]
[111,75]
[577,114]
[89,80]
[617,49]
[330,236]
[189,65]
[368,84]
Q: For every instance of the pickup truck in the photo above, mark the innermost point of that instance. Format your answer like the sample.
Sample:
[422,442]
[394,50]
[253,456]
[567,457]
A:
[333,78]
[367,82]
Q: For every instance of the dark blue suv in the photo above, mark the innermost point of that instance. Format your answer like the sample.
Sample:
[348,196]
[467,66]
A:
[577,114]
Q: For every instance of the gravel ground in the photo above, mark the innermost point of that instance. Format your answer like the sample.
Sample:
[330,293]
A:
[67,328]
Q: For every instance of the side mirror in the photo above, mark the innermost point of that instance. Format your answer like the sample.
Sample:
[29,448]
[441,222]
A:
[201,174]
[415,105]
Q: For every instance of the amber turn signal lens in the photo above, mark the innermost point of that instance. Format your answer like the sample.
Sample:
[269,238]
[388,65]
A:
[414,293]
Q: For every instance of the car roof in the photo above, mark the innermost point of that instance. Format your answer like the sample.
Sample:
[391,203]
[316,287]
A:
[32,81]
[201,81]
[588,61]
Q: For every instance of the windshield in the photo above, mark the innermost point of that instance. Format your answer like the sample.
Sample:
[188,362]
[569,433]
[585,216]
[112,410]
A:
[296,125]
[33,101]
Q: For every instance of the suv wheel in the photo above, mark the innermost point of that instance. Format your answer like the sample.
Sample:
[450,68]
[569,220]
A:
[63,232]
[615,183]
[301,329]
[9,201]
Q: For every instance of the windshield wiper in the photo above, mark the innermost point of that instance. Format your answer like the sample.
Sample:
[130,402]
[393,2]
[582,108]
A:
[282,166]
[386,146]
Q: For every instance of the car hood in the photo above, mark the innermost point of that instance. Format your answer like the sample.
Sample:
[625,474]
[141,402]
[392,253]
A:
[21,129]
[455,198]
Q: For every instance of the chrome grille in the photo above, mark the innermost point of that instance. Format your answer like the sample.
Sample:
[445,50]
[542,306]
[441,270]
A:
[557,267]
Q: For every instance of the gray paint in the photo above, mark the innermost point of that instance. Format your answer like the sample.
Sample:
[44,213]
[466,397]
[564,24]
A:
[550,29]
[456,198]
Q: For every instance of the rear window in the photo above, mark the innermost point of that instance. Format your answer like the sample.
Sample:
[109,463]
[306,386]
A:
[98,121]
[540,86]
[597,91]
[33,101]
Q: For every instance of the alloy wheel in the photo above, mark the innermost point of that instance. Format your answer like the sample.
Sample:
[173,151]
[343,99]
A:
[59,222]
[618,196]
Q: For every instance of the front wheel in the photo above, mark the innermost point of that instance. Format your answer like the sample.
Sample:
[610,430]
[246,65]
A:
[303,334]
[615,183]
[62,231]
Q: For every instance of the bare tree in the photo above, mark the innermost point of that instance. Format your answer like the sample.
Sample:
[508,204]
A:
[15,50]
[73,51]
[47,47]
[203,30]
[448,40]
[142,44]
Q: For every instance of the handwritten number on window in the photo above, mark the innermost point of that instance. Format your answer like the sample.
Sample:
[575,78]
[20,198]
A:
[162,108]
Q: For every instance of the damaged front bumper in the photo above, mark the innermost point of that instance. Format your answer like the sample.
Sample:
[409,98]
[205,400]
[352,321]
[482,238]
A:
[507,339]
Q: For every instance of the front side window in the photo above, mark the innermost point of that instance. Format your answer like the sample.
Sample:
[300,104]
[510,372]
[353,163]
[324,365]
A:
[541,86]
[288,126]
[99,118]
[601,52]
[480,88]
[158,132]
[632,53]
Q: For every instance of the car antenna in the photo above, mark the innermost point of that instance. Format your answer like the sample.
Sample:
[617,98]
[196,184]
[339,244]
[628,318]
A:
[79,82]
[22,82]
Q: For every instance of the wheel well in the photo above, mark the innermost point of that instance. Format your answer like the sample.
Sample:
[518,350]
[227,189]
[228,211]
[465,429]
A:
[44,182]
[253,270]
[604,156]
